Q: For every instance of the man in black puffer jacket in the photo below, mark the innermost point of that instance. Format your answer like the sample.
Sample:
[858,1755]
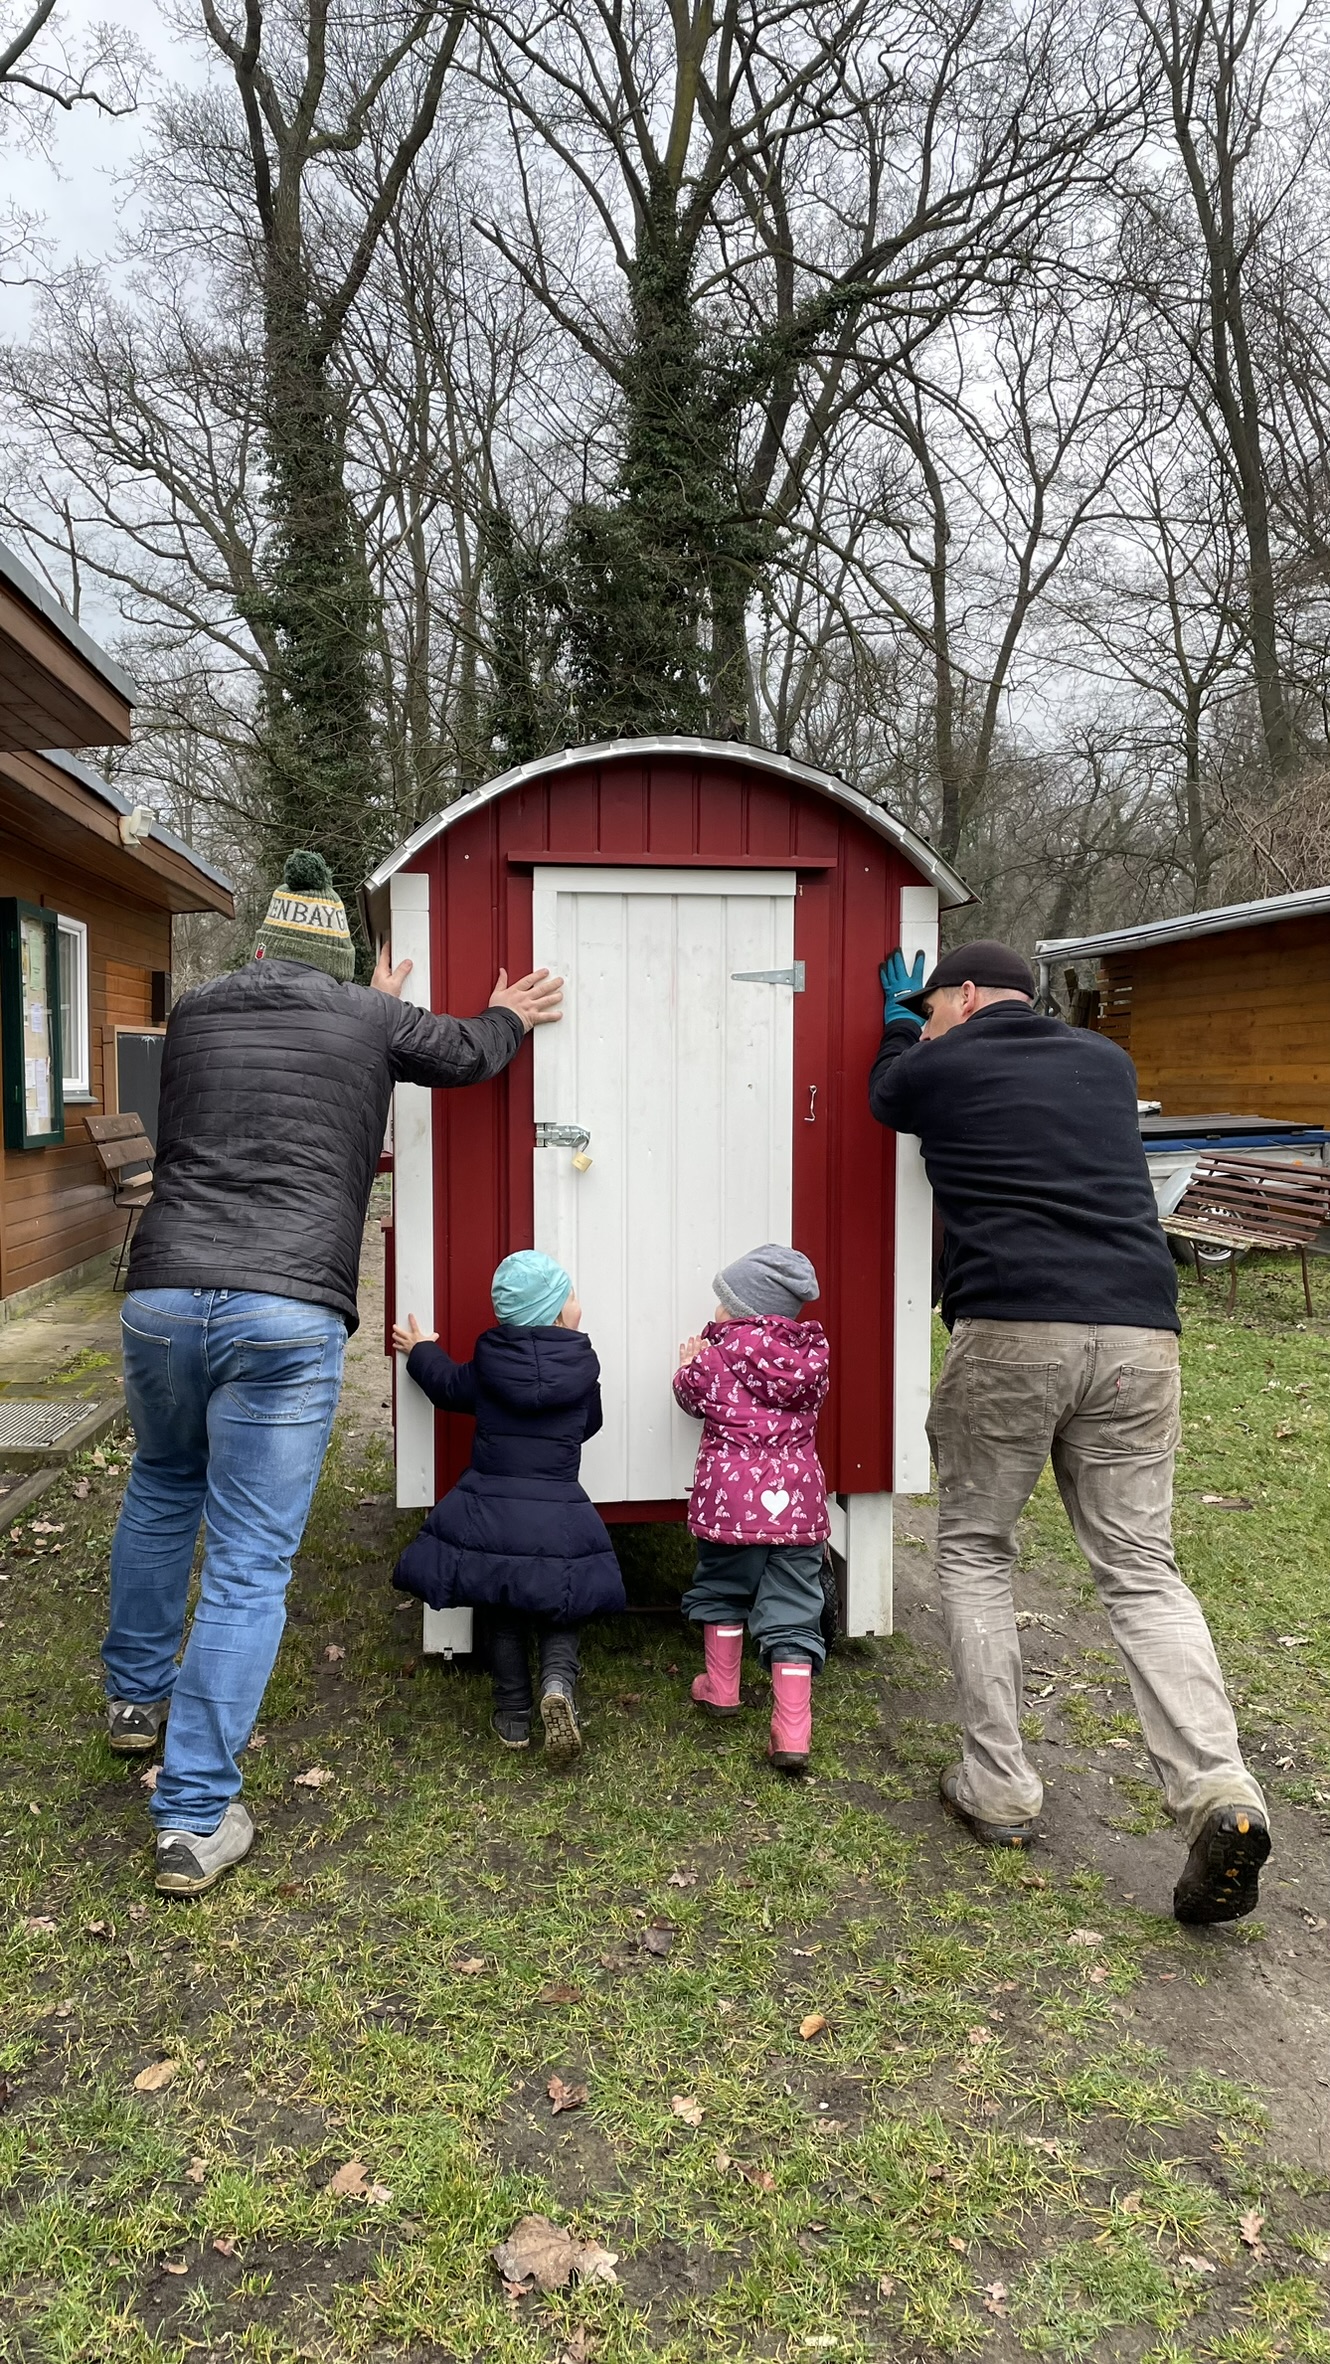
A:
[1059,1292]
[276,1085]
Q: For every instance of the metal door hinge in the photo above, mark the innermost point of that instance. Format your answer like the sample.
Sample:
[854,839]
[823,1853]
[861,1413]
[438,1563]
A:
[791,976]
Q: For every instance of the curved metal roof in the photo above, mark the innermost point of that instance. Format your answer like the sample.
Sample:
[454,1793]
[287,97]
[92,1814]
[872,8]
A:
[952,890]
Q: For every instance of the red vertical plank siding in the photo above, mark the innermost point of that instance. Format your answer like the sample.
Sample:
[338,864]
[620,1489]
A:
[672,807]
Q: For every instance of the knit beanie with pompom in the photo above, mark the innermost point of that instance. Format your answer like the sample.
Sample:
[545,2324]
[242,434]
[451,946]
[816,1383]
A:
[307,920]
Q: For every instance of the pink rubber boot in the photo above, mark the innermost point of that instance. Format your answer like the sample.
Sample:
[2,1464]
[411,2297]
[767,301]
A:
[791,1715]
[718,1689]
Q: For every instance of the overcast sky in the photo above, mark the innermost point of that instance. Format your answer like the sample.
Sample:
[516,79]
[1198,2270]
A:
[80,188]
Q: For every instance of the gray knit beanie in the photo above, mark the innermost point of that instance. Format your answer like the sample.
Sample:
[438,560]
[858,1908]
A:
[767,1280]
[306,920]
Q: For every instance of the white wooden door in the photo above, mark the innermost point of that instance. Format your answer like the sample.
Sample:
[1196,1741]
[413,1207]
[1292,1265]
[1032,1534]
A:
[682,1072]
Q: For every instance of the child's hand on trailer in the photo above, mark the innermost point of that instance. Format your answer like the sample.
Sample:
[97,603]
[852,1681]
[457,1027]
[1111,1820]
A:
[689,1351]
[410,1334]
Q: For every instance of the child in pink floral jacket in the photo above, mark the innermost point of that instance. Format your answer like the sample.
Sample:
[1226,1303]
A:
[756,1378]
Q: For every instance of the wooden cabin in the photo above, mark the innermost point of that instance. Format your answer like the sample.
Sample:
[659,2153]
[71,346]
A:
[1220,1010]
[89,885]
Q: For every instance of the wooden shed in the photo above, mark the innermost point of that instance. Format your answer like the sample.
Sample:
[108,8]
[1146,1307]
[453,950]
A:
[1226,1009]
[719,914]
[88,888]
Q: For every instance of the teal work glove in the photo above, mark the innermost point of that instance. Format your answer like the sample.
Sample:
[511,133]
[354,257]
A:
[896,980]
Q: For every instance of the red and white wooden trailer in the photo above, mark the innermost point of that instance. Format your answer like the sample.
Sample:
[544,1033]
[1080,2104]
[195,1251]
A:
[719,914]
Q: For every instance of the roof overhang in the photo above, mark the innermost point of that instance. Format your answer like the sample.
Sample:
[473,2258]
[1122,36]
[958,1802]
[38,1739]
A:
[952,890]
[1312,903]
[57,688]
[69,810]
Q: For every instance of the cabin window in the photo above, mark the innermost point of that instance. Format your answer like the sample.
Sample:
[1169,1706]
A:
[74,1027]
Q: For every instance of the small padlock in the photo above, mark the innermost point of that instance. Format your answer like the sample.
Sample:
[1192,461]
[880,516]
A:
[580,1161]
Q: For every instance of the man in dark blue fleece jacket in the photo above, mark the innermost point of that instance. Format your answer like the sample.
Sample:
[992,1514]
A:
[1059,1291]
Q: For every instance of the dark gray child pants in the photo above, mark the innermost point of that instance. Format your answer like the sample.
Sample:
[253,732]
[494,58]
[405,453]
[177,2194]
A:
[506,1637]
[775,1589]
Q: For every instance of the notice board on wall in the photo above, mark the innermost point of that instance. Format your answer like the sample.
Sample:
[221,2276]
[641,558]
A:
[138,1074]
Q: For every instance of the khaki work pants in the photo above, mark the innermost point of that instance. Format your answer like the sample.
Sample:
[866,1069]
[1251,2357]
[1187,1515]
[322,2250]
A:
[1104,1403]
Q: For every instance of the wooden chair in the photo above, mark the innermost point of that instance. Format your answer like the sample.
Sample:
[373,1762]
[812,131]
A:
[127,1157]
[1251,1202]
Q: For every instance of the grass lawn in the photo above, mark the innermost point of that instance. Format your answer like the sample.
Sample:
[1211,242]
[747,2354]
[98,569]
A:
[853,2088]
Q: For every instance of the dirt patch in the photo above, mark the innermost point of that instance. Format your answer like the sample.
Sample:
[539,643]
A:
[1261,2014]
[664,2280]
[290,2287]
[569,2153]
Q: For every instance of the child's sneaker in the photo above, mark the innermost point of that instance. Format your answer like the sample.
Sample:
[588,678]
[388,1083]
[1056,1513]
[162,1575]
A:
[718,1689]
[791,1714]
[513,1730]
[558,1714]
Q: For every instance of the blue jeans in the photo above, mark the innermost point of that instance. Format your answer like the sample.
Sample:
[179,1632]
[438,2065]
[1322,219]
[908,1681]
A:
[233,1397]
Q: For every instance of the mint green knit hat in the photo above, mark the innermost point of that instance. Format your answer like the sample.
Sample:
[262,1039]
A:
[306,920]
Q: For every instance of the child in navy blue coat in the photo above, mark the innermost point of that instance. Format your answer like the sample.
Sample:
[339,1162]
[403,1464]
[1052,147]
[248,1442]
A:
[517,1538]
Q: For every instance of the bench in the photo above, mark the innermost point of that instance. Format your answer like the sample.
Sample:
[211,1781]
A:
[127,1157]
[1251,1202]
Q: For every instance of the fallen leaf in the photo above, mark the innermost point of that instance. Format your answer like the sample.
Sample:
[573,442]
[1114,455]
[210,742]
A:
[152,2078]
[935,2173]
[723,2161]
[1228,1502]
[316,1778]
[812,2026]
[168,2268]
[1084,1937]
[1096,1974]
[658,1939]
[65,2010]
[139,1912]
[886,2285]
[684,2106]
[1197,2265]
[1249,2232]
[577,2349]
[1131,2205]
[197,2171]
[225,2245]
[995,2300]
[540,2251]
[978,2037]
[349,2182]
[954,2241]
[613,1961]
[594,2264]
[44,1527]
[470,1965]
[81,1489]
[1314,1921]
[630,1699]
[565,2097]
[105,1930]
[761,2177]
[682,1879]
[1043,2142]
[257,1740]
[333,1652]
[378,2194]
[41,1925]
[148,1778]
[1292,1641]
[557,1993]
[1286,1431]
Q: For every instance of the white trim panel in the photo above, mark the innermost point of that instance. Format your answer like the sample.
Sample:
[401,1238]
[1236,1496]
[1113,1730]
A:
[913,1312]
[413,1200]
[641,879]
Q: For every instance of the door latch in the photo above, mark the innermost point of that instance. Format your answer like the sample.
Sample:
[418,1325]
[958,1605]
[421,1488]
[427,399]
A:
[792,976]
[574,1137]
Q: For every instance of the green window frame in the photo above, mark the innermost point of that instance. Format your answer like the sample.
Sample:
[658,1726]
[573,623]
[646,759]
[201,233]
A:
[30,1046]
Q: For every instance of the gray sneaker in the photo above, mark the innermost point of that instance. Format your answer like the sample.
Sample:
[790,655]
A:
[558,1714]
[189,1861]
[134,1731]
